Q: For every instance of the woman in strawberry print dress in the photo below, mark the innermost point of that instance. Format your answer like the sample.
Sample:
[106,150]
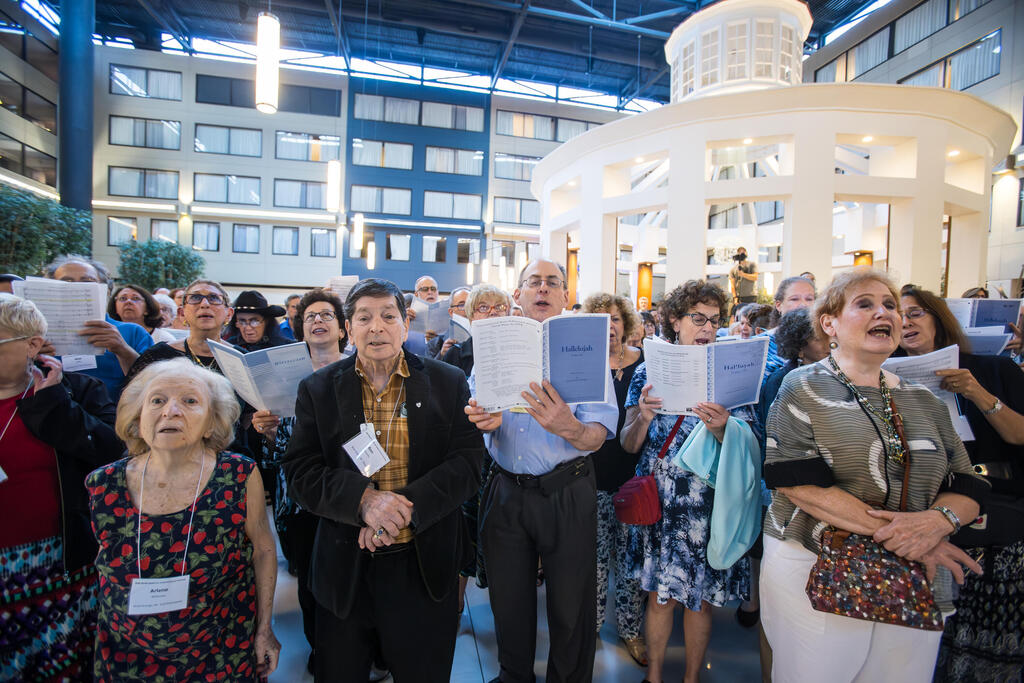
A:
[183,519]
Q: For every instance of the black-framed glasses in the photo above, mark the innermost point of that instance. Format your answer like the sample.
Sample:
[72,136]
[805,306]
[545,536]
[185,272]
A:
[914,313]
[536,281]
[212,298]
[700,320]
[459,306]
[326,316]
[484,309]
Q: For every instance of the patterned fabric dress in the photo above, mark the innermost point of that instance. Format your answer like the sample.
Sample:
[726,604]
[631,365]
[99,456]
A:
[211,639]
[670,557]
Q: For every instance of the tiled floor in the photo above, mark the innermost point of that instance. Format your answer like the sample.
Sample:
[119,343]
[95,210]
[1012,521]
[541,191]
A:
[732,655]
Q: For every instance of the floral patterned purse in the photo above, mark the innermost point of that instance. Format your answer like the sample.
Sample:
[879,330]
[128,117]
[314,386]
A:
[855,576]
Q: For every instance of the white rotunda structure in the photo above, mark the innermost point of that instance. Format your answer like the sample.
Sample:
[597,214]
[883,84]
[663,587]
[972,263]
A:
[810,177]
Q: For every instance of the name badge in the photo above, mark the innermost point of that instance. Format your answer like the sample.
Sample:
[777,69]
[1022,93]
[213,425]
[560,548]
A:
[366,452]
[78,363]
[156,596]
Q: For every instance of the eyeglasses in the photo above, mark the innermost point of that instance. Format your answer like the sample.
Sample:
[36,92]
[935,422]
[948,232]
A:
[251,322]
[4,341]
[700,320]
[460,306]
[552,282]
[426,289]
[126,299]
[914,313]
[326,316]
[487,308]
[213,299]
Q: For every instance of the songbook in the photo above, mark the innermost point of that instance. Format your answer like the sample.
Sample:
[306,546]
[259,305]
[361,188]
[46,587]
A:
[67,306]
[430,317]
[267,379]
[570,351]
[988,341]
[459,329]
[984,312]
[341,285]
[682,376]
[921,369]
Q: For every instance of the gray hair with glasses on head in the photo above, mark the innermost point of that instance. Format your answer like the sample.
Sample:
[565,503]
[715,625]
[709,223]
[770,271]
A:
[483,292]
[561,269]
[20,318]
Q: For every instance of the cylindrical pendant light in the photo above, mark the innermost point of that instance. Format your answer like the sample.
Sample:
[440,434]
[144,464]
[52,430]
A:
[371,255]
[469,275]
[334,186]
[268,47]
[357,230]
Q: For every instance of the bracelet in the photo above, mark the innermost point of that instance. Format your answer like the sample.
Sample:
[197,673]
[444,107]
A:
[949,515]
[994,409]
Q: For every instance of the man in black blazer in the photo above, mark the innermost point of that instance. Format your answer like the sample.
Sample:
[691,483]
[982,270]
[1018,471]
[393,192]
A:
[389,546]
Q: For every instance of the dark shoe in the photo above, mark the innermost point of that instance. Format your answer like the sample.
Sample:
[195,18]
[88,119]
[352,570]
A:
[747,619]
[637,649]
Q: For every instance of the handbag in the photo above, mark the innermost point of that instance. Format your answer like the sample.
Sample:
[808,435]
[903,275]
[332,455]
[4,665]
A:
[855,576]
[636,502]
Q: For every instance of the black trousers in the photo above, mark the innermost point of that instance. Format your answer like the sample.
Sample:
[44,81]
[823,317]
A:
[518,526]
[393,615]
[297,533]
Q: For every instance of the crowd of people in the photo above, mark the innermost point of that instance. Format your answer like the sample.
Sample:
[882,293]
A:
[143,547]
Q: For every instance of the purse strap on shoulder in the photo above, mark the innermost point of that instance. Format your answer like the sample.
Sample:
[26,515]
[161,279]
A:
[898,422]
[671,437]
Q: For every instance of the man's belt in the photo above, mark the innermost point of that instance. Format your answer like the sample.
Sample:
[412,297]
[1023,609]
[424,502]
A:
[560,477]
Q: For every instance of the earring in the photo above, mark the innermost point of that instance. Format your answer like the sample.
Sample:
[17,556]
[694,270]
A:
[833,344]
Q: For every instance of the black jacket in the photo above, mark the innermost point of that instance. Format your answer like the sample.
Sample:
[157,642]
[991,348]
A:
[445,456]
[76,418]
[461,355]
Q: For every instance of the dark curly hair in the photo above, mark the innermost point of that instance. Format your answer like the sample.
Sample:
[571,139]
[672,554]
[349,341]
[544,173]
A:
[310,298]
[680,300]
[758,315]
[646,317]
[152,316]
[795,330]
[603,303]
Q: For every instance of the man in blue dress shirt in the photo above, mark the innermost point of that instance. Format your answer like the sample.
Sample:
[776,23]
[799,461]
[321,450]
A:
[542,504]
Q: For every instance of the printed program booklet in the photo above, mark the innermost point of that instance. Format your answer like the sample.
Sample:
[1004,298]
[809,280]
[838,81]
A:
[570,351]
[430,317]
[267,379]
[984,312]
[921,369]
[728,374]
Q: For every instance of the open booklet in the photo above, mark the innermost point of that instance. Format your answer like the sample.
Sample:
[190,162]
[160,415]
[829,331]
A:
[66,306]
[458,329]
[430,317]
[990,340]
[267,379]
[921,369]
[984,312]
[728,374]
[570,351]
[341,285]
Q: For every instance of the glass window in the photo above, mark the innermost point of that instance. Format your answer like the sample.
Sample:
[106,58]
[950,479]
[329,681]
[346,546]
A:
[286,241]
[359,250]
[398,247]
[135,132]
[40,111]
[42,168]
[11,95]
[324,242]
[569,128]
[468,250]
[934,76]
[245,239]
[724,216]
[958,8]
[11,35]
[454,116]
[709,58]
[11,152]
[381,199]
[514,167]
[398,110]
[305,99]
[788,51]
[246,142]
[688,68]
[827,73]
[868,54]
[232,92]
[206,236]
[434,249]
[228,189]
[918,24]
[460,161]
[370,107]
[299,194]
[121,230]
[766,212]
[163,230]
[451,205]
[523,125]
[42,57]
[308,146]
[138,82]
[381,154]
[142,182]
[976,62]
[764,48]
[511,210]
[769,254]
[499,248]
[736,51]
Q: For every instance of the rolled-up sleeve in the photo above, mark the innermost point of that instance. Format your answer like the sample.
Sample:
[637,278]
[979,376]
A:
[791,453]
[606,414]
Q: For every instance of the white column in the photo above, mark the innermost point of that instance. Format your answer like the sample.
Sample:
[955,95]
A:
[687,219]
[807,226]
[968,246]
[597,235]
[915,224]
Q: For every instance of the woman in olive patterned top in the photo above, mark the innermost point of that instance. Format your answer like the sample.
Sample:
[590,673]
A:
[834,458]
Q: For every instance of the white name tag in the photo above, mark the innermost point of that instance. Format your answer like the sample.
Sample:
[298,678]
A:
[156,596]
[77,363]
[366,452]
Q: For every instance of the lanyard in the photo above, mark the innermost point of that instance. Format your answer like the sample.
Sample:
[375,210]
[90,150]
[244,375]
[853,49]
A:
[11,418]
[192,516]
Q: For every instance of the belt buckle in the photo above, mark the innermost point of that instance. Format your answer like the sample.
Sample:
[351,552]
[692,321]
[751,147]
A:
[981,469]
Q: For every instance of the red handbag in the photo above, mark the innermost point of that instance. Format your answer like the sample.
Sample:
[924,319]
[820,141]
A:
[636,501]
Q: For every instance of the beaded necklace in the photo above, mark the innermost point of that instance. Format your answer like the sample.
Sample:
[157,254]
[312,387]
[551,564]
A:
[212,365]
[895,450]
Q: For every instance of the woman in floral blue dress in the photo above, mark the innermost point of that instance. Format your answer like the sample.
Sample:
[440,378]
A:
[670,556]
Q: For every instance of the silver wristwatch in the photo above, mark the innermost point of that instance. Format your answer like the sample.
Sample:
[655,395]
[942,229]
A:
[994,409]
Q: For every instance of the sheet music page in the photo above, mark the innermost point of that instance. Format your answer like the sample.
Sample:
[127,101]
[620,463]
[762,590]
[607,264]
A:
[66,306]
[921,369]
[341,285]
[458,329]
[679,375]
[430,317]
[276,373]
[738,371]
[962,310]
[232,366]
[1000,312]
[987,341]
[576,356]
[506,359]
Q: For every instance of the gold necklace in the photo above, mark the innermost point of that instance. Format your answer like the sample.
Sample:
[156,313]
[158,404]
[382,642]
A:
[619,369]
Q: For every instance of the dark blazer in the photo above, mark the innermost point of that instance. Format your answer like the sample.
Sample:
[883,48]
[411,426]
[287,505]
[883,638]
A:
[461,355]
[445,456]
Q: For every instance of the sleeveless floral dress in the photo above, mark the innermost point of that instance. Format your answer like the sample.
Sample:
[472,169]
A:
[211,639]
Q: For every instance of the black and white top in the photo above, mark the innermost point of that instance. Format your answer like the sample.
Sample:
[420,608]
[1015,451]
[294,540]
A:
[817,434]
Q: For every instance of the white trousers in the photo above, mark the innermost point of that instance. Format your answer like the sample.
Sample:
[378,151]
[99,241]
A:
[810,646]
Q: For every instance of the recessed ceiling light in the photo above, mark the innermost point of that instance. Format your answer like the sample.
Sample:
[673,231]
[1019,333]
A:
[639,160]
[747,141]
[572,183]
[867,138]
[953,153]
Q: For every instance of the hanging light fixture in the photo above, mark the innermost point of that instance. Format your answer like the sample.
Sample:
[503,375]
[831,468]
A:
[334,186]
[357,230]
[485,269]
[469,273]
[268,46]
[371,255]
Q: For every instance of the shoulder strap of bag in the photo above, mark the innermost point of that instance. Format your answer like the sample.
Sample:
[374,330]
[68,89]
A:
[898,420]
[671,436]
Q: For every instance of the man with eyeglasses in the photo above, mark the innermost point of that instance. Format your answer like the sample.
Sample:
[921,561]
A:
[426,289]
[542,504]
[122,342]
[439,345]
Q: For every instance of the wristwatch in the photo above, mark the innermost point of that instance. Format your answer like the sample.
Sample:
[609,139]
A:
[949,515]
[994,409]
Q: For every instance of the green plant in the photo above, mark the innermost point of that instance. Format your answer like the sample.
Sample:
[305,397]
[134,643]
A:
[156,263]
[34,230]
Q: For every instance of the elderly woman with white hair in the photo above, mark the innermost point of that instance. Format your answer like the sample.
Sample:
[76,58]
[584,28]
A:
[54,428]
[187,562]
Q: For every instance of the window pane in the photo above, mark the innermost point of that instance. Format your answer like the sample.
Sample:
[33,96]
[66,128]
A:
[40,111]
[918,24]
[469,162]
[287,193]
[930,77]
[163,230]
[530,212]
[437,114]
[505,123]
[163,134]
[10,154]
[474,118]
[286,241]
[126,80]
[125,181]
[39,55]
[212,139]
[437,204]
[709,58]
[162,184]
[468,250]
[976,63]
[365,198]
[246,142]
[206,236]
[466,206]
[165,85]
[121,230]
[395,200]
[398,247]
[543,127]
[243,190]
[122,131]
[440,160]
[314,195]
[869,53]
[292,145]
[506,210]
[398,155]
[568,129]
[246,239]
[208,187]
[827,73]
[397,110]
[764,49]
[10,95]
[434,249]
[736,51]
[369,107]
[367,152]
[324,242]
[324,147]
